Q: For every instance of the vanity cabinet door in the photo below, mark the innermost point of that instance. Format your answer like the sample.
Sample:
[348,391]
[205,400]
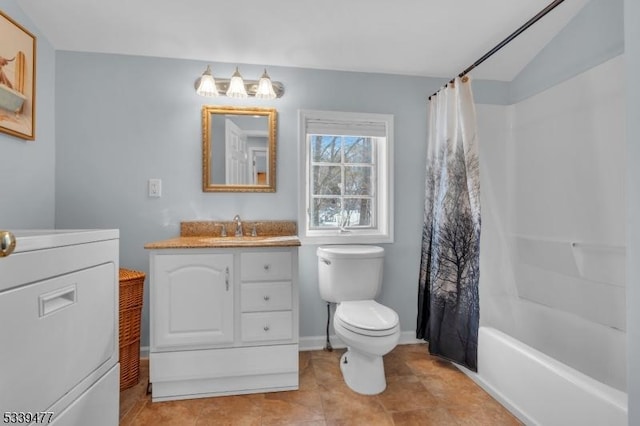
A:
[192,301]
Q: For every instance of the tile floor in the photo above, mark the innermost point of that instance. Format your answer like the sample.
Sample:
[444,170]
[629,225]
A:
[421,390]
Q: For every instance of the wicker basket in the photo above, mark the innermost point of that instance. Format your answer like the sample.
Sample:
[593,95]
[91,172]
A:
[131,291]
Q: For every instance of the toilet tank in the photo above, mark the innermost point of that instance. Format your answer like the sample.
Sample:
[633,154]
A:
[349,272]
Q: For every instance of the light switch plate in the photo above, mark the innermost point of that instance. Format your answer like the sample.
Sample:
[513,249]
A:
[155,188]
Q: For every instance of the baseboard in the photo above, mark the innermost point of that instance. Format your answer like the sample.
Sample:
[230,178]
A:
[314,343]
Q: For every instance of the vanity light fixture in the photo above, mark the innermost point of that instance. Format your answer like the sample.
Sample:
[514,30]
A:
[236,87]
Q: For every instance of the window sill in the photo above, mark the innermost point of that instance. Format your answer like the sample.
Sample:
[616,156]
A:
[346,238]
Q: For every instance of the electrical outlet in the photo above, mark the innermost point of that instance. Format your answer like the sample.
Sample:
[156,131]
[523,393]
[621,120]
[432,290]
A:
[155,188]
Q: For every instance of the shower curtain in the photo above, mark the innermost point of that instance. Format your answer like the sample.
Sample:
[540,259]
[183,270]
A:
[448,303]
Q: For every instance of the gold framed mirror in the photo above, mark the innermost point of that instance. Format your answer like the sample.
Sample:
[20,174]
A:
[238,149]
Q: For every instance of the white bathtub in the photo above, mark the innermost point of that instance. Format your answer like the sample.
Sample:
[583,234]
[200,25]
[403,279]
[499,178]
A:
[540,390]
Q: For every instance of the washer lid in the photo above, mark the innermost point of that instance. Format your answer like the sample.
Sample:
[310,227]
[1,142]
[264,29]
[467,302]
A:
[366,315]
[350,251]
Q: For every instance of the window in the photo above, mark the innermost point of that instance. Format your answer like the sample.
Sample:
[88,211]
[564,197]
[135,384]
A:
[346,170]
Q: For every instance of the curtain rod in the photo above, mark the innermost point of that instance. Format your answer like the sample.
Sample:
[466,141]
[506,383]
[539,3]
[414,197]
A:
[507,40]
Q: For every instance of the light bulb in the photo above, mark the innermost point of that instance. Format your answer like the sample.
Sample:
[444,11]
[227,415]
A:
[207,86]
[236,86]
[265,87]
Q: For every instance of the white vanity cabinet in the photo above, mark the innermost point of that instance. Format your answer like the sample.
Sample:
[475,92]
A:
[223,321]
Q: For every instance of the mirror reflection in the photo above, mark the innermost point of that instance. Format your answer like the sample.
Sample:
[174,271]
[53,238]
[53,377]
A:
[238,149]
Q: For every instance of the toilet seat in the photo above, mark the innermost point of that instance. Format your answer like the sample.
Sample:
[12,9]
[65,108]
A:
[367,317]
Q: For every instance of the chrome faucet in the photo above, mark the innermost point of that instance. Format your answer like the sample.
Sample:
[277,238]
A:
[238,223]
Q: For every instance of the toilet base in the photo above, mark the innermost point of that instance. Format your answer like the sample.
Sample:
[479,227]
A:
[363,373]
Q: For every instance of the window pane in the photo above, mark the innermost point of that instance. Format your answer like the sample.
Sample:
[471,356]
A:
[357,149]
[325,212]
[325,149]
[358,180]
[357,212]
[326,180]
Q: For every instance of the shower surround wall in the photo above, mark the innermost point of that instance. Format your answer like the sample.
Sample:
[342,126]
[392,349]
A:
[553,238]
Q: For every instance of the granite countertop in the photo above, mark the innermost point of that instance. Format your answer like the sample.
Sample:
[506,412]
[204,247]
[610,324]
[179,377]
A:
[207,234]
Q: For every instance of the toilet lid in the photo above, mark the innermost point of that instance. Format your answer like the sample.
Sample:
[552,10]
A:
[367,317]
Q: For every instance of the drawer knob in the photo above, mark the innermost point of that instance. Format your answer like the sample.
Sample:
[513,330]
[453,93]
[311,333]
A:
[266,328]
[267,298]
[267,267]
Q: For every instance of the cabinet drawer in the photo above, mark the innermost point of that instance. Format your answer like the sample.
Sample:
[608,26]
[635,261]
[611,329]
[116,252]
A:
[54,333]
[102,397]
[265,326]
[270,296]
[265,266]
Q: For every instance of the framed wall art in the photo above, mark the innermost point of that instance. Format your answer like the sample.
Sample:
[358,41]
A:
[17,79]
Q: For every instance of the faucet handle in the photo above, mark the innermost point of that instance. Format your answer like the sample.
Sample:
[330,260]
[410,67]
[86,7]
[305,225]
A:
[223,231]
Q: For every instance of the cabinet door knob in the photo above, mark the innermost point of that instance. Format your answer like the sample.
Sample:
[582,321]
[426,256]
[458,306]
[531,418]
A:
[266,328]
[267,298]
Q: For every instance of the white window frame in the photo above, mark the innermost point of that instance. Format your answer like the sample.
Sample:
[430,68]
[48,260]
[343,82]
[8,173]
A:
[382,232]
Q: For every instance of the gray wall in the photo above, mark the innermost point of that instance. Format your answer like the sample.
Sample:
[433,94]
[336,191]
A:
[27,185]
[632,56]
[123,119]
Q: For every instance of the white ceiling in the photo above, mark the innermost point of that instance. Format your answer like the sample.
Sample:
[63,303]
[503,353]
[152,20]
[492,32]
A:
[437,38]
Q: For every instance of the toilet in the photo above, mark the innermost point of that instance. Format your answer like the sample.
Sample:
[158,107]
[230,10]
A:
[351,276]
